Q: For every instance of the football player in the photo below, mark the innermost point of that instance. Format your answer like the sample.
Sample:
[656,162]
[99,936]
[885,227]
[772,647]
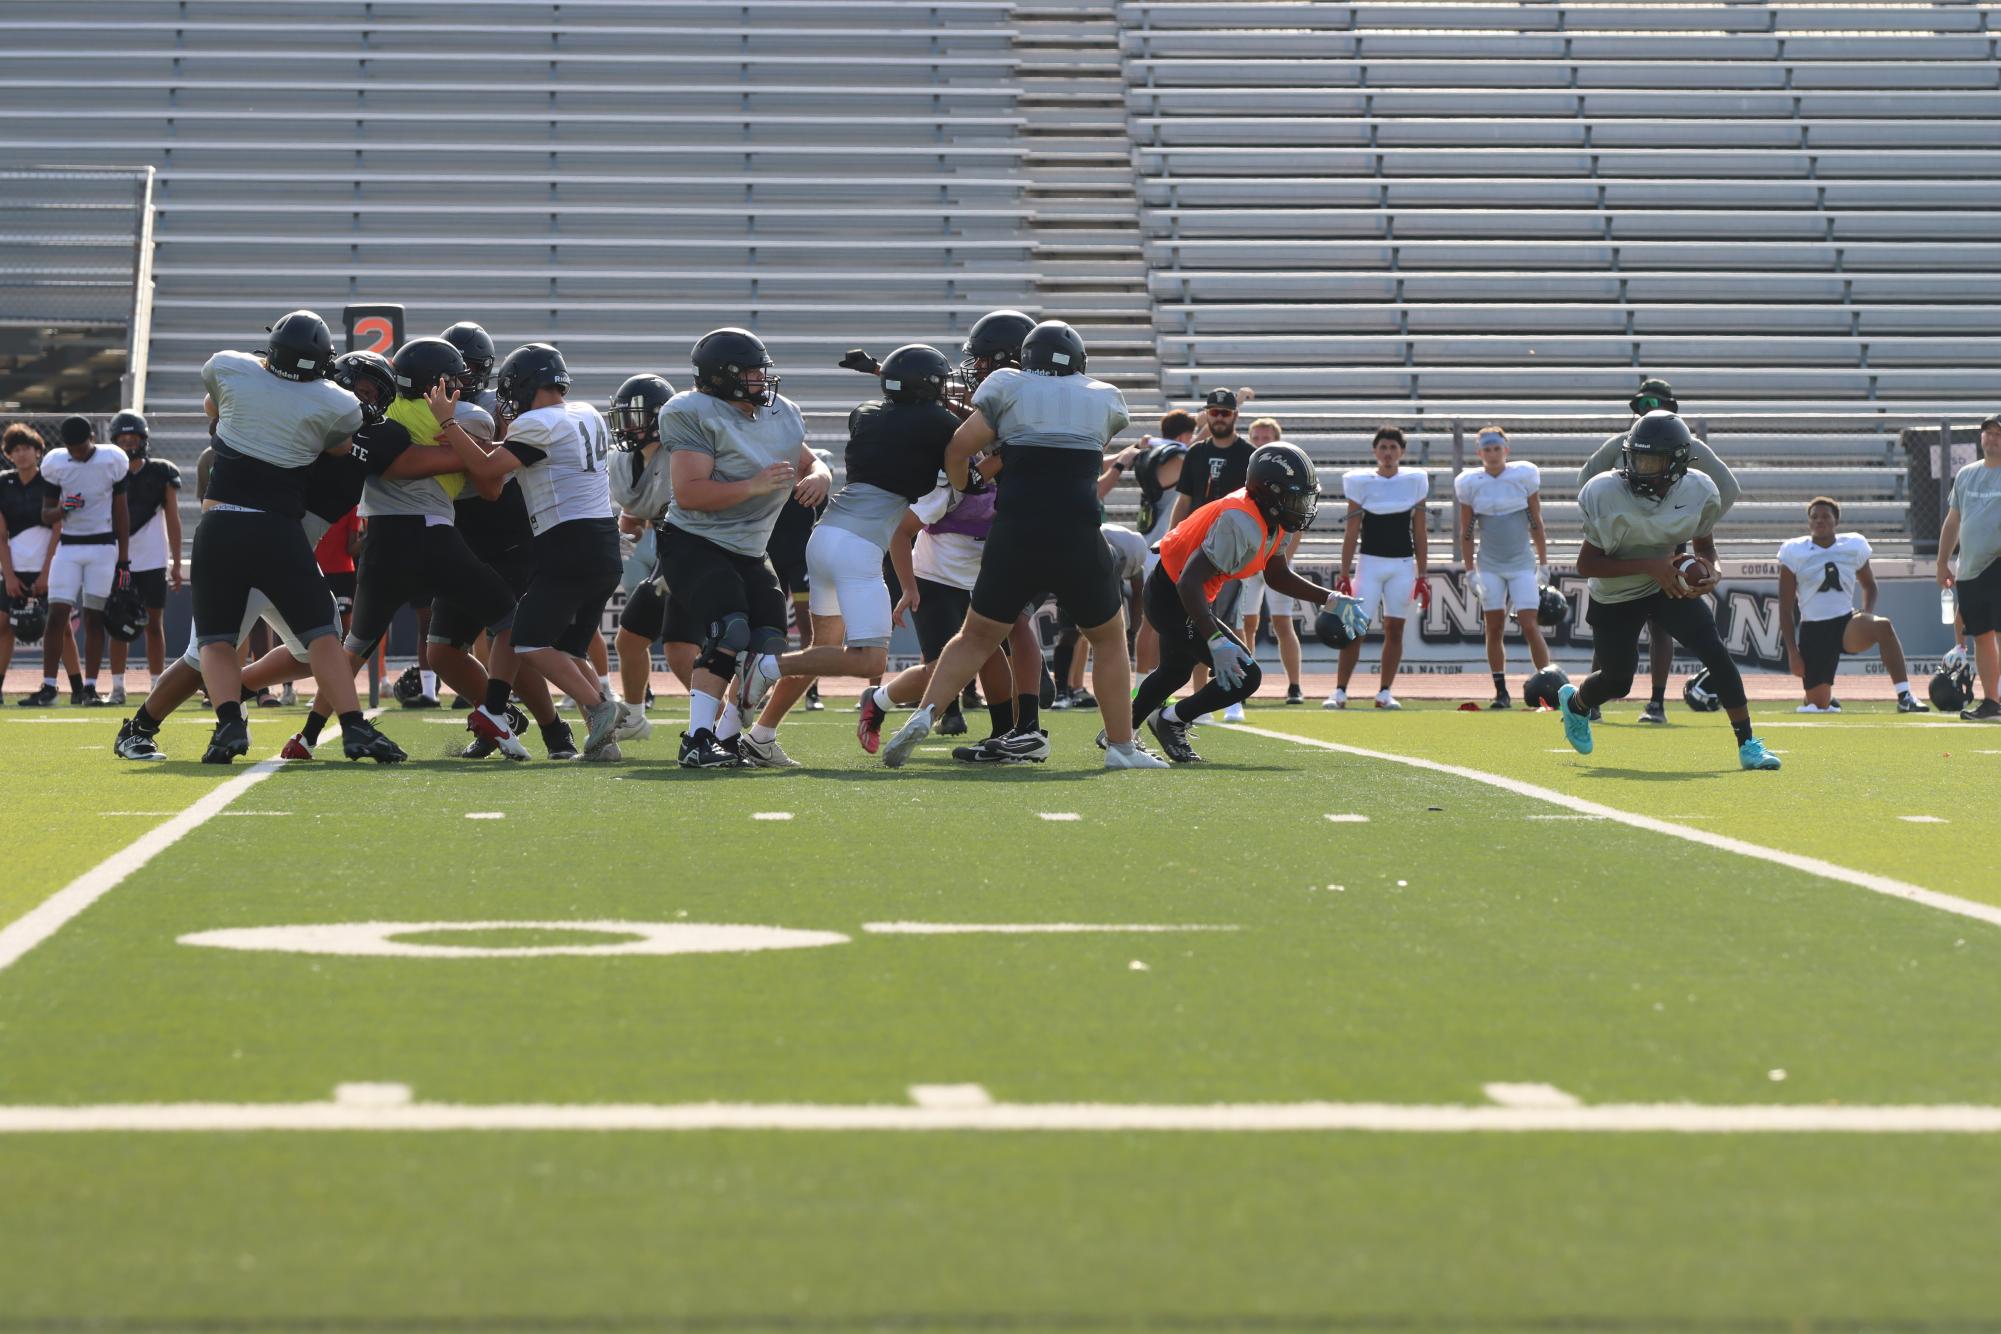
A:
[1255,602]
[1821,574]
[1634,520]
[153,505]
[1158,471]
[1973,526]
[26,544]
[272,416]
[640,488]
[1658,396]
[1386,518]
[896,445]
[1232,538]
[1054,422]
[90,482]
[1501,502]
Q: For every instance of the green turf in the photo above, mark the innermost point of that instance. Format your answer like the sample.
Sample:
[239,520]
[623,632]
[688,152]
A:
[1448,942]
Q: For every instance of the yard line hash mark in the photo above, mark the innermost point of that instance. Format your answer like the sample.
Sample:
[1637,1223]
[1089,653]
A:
[950,1095]
[1875,884]
[486,815]
[1347,819]
[1024,928]
[1921,819]
[1061,817]
[1529,1095]
[771,815]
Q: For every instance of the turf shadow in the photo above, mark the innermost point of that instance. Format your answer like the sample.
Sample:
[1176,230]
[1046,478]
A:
[1655,775]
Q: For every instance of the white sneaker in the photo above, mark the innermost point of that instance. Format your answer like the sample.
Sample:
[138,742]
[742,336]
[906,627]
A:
[1132,757]
[633,724]
[755,754]
[1337,700]
[1206,720]
[897,749]
[289,696]
[1234,714]
[1385,700]
[608,753]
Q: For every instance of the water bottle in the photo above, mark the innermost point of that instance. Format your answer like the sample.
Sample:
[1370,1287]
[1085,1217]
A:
[1945,606]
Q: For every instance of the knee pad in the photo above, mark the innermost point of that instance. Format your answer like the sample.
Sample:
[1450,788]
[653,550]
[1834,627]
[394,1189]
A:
[726,639]
[765,639]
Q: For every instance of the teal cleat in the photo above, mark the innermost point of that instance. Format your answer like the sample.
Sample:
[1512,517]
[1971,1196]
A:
[1576,726]
[1753,755]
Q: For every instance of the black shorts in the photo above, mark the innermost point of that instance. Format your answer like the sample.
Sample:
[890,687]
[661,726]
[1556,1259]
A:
[151,586]
[789,564]
[714,582]
[655,618]
[457,625]
[406,561]
[238,550]
[342,584]
[1069,560]
[1820,648]
[941,611]
[1980,600]
[576,571]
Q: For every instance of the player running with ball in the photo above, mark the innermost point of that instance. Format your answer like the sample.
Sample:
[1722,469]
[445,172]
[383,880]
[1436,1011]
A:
[1634,519]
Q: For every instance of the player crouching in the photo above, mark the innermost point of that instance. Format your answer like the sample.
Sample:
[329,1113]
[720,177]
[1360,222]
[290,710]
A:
[1239,536]
[1820,575]
[1634,519]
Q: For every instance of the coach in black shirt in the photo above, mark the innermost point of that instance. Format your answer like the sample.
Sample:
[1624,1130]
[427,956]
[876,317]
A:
[1216,466]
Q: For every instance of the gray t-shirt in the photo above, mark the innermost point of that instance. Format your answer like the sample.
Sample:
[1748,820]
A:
[288,423]
[1129,551]
[698,423]
[1051,411]
[424,497]
[1629,526]
[641,486]
[1231,541]
[1701,459]
[866,511]
[1976,494]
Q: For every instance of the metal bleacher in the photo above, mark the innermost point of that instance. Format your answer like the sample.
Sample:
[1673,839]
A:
[615,176]
[1434,213]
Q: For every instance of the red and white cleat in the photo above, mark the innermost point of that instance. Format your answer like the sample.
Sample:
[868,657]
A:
[296,748]
[868,728]
[495,729]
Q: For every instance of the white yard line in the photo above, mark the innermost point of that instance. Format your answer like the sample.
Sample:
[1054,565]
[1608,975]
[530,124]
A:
[1024,928]
[368,1114]
[1529,1095]
[950,1095]
[1875,884]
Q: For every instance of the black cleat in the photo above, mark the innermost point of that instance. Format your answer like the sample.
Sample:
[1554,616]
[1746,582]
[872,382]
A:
[90,699]
[1987,711]
[969,698]
[559,741]
[45,698]
[813,701]
[1173,738]
[701,750]
[1014,748]
[953,723]
[1293,695]
[1502,701]
[133,744]
[230,740]
[363,742]
[1908,704]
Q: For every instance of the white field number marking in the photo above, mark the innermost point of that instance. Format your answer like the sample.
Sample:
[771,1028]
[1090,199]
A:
[1529,1095]
[1061,817]
[771,815]
[1346,819]
[385,939]
[486,815]
[950,1095]
[1921,819]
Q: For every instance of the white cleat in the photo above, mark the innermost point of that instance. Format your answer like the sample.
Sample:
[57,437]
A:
[1385,700]
[757,674]
[755,754]
[897,749]
[1131,756]
[1337,700]
[494,728]
[608,753]
[633,724]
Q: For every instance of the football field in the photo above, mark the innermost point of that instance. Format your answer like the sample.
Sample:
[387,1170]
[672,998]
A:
[1412,1021]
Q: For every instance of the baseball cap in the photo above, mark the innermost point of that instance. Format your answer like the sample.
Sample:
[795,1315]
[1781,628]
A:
[1992,420]
[1220,398]
[75,430]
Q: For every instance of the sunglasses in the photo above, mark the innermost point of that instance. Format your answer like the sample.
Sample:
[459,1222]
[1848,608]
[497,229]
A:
[1223,413]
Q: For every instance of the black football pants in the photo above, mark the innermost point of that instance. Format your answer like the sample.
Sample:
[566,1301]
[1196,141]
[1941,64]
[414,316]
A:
[1615,631]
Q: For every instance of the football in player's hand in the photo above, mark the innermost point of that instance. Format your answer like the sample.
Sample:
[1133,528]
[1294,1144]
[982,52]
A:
[1693,571]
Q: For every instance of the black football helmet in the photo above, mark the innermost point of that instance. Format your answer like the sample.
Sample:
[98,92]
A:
[124,612]
[635,411]
[1341,622]
[528,370]
[476,348]
[1281,482]
[1053,348]
[1146,471]
[1552,607]
[724,359]
[915,373]
[422,362]
[1951,685]
[1698,694]
[1656,454]
[370,378]
[30,619]
[1539,691]
[995,341]
[300,347]
[128,422]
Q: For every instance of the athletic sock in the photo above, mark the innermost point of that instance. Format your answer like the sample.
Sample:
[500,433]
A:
[430,680]
[1903,687]
[763,735]
[729,722]
[703,709]
[1659,700]
[75,681]
[352,721]
[496,697]
[604,688]
[1028,709]
[1500,684]
[1743,730]
[316,723]
[229,711]
[49,683]
[118,680]
[143,721]
[1577,704]
[1000,716]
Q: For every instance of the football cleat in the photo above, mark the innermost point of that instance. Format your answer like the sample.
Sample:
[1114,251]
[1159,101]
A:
[1654,713]
[954,721]
[1133,757]
[701,750]
[559,741]
[1081,698]
[1385,700]
[1987,711]
[756,674]
[497,730]
[905,741]
[600,723]
[116,697]
[230,740]
[980,752]
[133,744]
[1061,700]
[1234,714]
[608,753]
[267,700]
[478,749]
[42,699]
[1753,755]
[296,748]
[1020,747]
[755,754]
[1294,695]
[88,698]
[868,727]
[1172,734]
[364,742]
[1337,700]
[1501,701]
[1906,703]
[1576,726]
[813,701]
[633,724]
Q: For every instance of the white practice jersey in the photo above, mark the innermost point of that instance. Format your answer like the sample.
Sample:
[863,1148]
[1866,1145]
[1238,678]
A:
[1377,494]
[562,449]
[1826,575]
[87,487]
[1500,505]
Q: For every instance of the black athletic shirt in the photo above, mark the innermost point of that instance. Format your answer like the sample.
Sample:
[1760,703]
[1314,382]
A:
[1210,472]
[21,502]
[146,490]
[491,527]
[1388,535]
[899,447]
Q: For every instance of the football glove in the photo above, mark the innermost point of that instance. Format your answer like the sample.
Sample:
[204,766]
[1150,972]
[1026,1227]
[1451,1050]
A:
[1227,659]
[1421,592]
[1354,618]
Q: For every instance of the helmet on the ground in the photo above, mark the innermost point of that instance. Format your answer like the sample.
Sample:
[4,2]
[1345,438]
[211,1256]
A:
[528,370]
[1699,695]
[409,686]
[1552,608]
[635,411]
[475,345]
[300,347]
[1656,454]
[422,362]
[30,619]
[1952,684]
[352,370]
[994,341]
[915,373]
[724,360]
[1539,691]
[1281,482]
[124,612]
[1053,348]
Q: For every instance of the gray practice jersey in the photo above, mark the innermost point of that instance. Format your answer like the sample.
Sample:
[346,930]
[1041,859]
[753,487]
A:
[697,423]
[866,511]
[562,449]
[287,423]
[1129,552]
[1500,506]
[1701,458]
[640,486]
[1633,527]
[1051,411]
